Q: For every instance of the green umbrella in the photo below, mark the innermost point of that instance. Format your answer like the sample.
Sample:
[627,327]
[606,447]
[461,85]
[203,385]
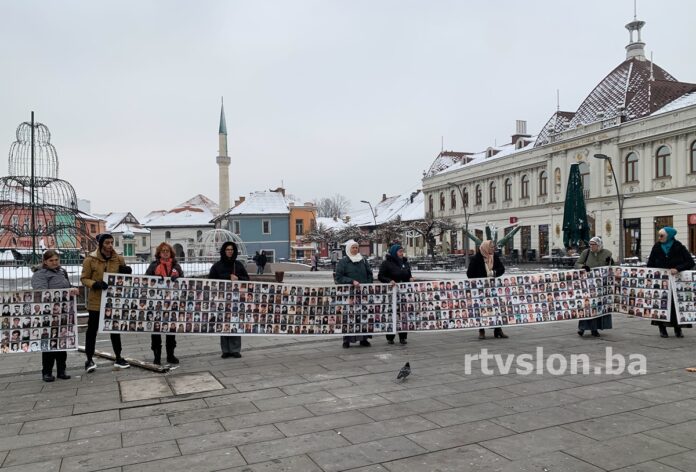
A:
[575,226]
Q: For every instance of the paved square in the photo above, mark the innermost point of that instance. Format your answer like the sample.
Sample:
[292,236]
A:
[144,389]
[194,383]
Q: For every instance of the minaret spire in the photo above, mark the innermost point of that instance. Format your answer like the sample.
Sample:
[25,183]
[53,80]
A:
[223,162]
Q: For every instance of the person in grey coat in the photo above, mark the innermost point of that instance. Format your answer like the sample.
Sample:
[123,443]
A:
[52,276]
[594,256]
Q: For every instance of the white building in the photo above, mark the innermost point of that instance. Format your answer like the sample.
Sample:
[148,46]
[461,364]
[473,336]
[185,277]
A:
[638,115]
[131,238]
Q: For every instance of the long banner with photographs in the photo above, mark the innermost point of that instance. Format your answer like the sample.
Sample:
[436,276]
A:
[684,293]
[38,321]
[214,307]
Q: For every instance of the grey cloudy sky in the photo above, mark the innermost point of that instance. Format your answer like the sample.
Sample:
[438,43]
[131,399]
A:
[327,97]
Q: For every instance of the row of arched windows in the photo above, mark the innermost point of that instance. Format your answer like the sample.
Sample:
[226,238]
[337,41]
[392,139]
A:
[662,163]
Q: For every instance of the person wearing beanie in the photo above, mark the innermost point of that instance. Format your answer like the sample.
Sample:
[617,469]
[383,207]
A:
[229,268]
[486,263]
[395,269]
[668,253]
[102,260]
[353,269]
[594,256]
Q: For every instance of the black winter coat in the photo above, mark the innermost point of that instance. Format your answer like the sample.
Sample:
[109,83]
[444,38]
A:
[477,267]
[393,268]
[677,258]
[222,270]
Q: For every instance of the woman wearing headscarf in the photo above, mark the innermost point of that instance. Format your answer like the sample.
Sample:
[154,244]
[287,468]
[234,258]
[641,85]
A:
[486,263]
[353,269]
[395,269]
[594,256]
[52,276]
[668,253]
[164,265]
[229,268]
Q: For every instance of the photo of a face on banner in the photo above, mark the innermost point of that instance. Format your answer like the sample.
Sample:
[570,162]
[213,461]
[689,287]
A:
[37,321]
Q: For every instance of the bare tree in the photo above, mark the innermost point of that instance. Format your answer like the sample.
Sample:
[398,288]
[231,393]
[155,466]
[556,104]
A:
[392,231]
[321,234]
[431,229]
[332,207]
[352,232]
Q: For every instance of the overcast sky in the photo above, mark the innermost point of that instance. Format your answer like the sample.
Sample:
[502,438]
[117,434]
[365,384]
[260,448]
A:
[325,97]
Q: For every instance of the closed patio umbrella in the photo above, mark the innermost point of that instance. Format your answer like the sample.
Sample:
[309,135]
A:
[575,225]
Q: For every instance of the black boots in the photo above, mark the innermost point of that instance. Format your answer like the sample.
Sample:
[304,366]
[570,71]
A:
[171,358]
[663,332]
[157,350]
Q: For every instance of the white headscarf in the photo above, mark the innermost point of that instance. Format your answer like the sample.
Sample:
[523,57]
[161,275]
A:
[598,240]
[348,244]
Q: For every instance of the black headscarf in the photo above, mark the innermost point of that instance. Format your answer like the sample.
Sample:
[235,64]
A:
[223,257]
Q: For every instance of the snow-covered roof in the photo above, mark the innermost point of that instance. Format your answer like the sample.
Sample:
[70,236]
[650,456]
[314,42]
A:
[152,215]
[409,206]
[264,203]
[684,101]
[126,227]
[201,201]
[331,223]
[183,217]
[483,156]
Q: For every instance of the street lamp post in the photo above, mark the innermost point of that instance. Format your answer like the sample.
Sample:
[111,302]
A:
[620,199]
[465,204]
[374,219]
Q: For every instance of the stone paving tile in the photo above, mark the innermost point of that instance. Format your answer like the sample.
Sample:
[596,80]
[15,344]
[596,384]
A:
[62,449]
[322,423]
[227,439]
[45,466]
[681,434]
[364,389]
[538,401]
[472,458]
[667,394]
[599,390]
[162,408]
[68,422]
[538,419]
[624,451]
[466,414]
[386,429]
[538,442]
[10,429]
[34,439]
[478,396]
[332,386]
[620,424]
[683,461]
[193,383]
[650,466]
[337,373]
[292,400]
[36,415]
[344,404]
[262,382]
[146,436]
[609,405]
[555,461]
[483,383]
[231,409]
[286,464]
[219,400]
[396,410]
[539,386]
[676,412]
[110,396]
[416,393]
[120,457]
[264,417]
[121,426]
[82,408]
[368,453]
[459,435]
[201,462]
[286,447]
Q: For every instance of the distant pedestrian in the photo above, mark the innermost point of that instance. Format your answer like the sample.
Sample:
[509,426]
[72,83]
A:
[52,276]
[594,256]
[104,259]
[229,268]
[353,269]
[395,269]
[668,253]
[315,262]
[486,263]
[261,260]
[164,265]
[334,259]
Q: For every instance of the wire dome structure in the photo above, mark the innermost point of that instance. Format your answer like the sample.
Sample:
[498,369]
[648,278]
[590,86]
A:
[37,209]
[208,248]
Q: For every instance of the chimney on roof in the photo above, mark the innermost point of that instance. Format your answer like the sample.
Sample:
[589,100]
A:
[520,132]
[240,200]
[279,189]
[384,196]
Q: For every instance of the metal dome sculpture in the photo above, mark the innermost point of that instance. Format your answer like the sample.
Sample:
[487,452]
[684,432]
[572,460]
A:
[37,209]
[208,249]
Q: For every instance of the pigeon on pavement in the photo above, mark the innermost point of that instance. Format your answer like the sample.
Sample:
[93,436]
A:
[404,372]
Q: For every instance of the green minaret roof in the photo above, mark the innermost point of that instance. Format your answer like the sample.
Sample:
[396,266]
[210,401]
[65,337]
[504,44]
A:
[223,125]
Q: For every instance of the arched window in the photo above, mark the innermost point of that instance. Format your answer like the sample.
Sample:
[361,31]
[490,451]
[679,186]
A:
[508,189]
[167,235]
[491,192]
[632,167]
[453,200]
[524,187]
[662,162]
[430,204]
[557,180]
[465,202]
[693,157]
[479,196]
[543,183]
[442,201]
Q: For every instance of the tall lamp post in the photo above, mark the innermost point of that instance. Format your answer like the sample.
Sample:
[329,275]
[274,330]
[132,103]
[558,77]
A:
[465,204]
[374,219]
[619,197]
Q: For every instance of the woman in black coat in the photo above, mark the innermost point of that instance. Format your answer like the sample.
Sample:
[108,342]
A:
[486,263]
[394,269]
[668,253]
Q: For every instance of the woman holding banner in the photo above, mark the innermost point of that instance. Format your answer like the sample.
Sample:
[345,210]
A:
[395,269]
[353,269]
[486,263]
[668,253]
[164,265]
[594,256]
[52,276]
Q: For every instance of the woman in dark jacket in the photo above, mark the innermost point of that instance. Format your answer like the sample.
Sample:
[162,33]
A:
[164,265]
[52,276]
[668,253]
[353,269]
[394,269]
[229,268]
[486,263]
